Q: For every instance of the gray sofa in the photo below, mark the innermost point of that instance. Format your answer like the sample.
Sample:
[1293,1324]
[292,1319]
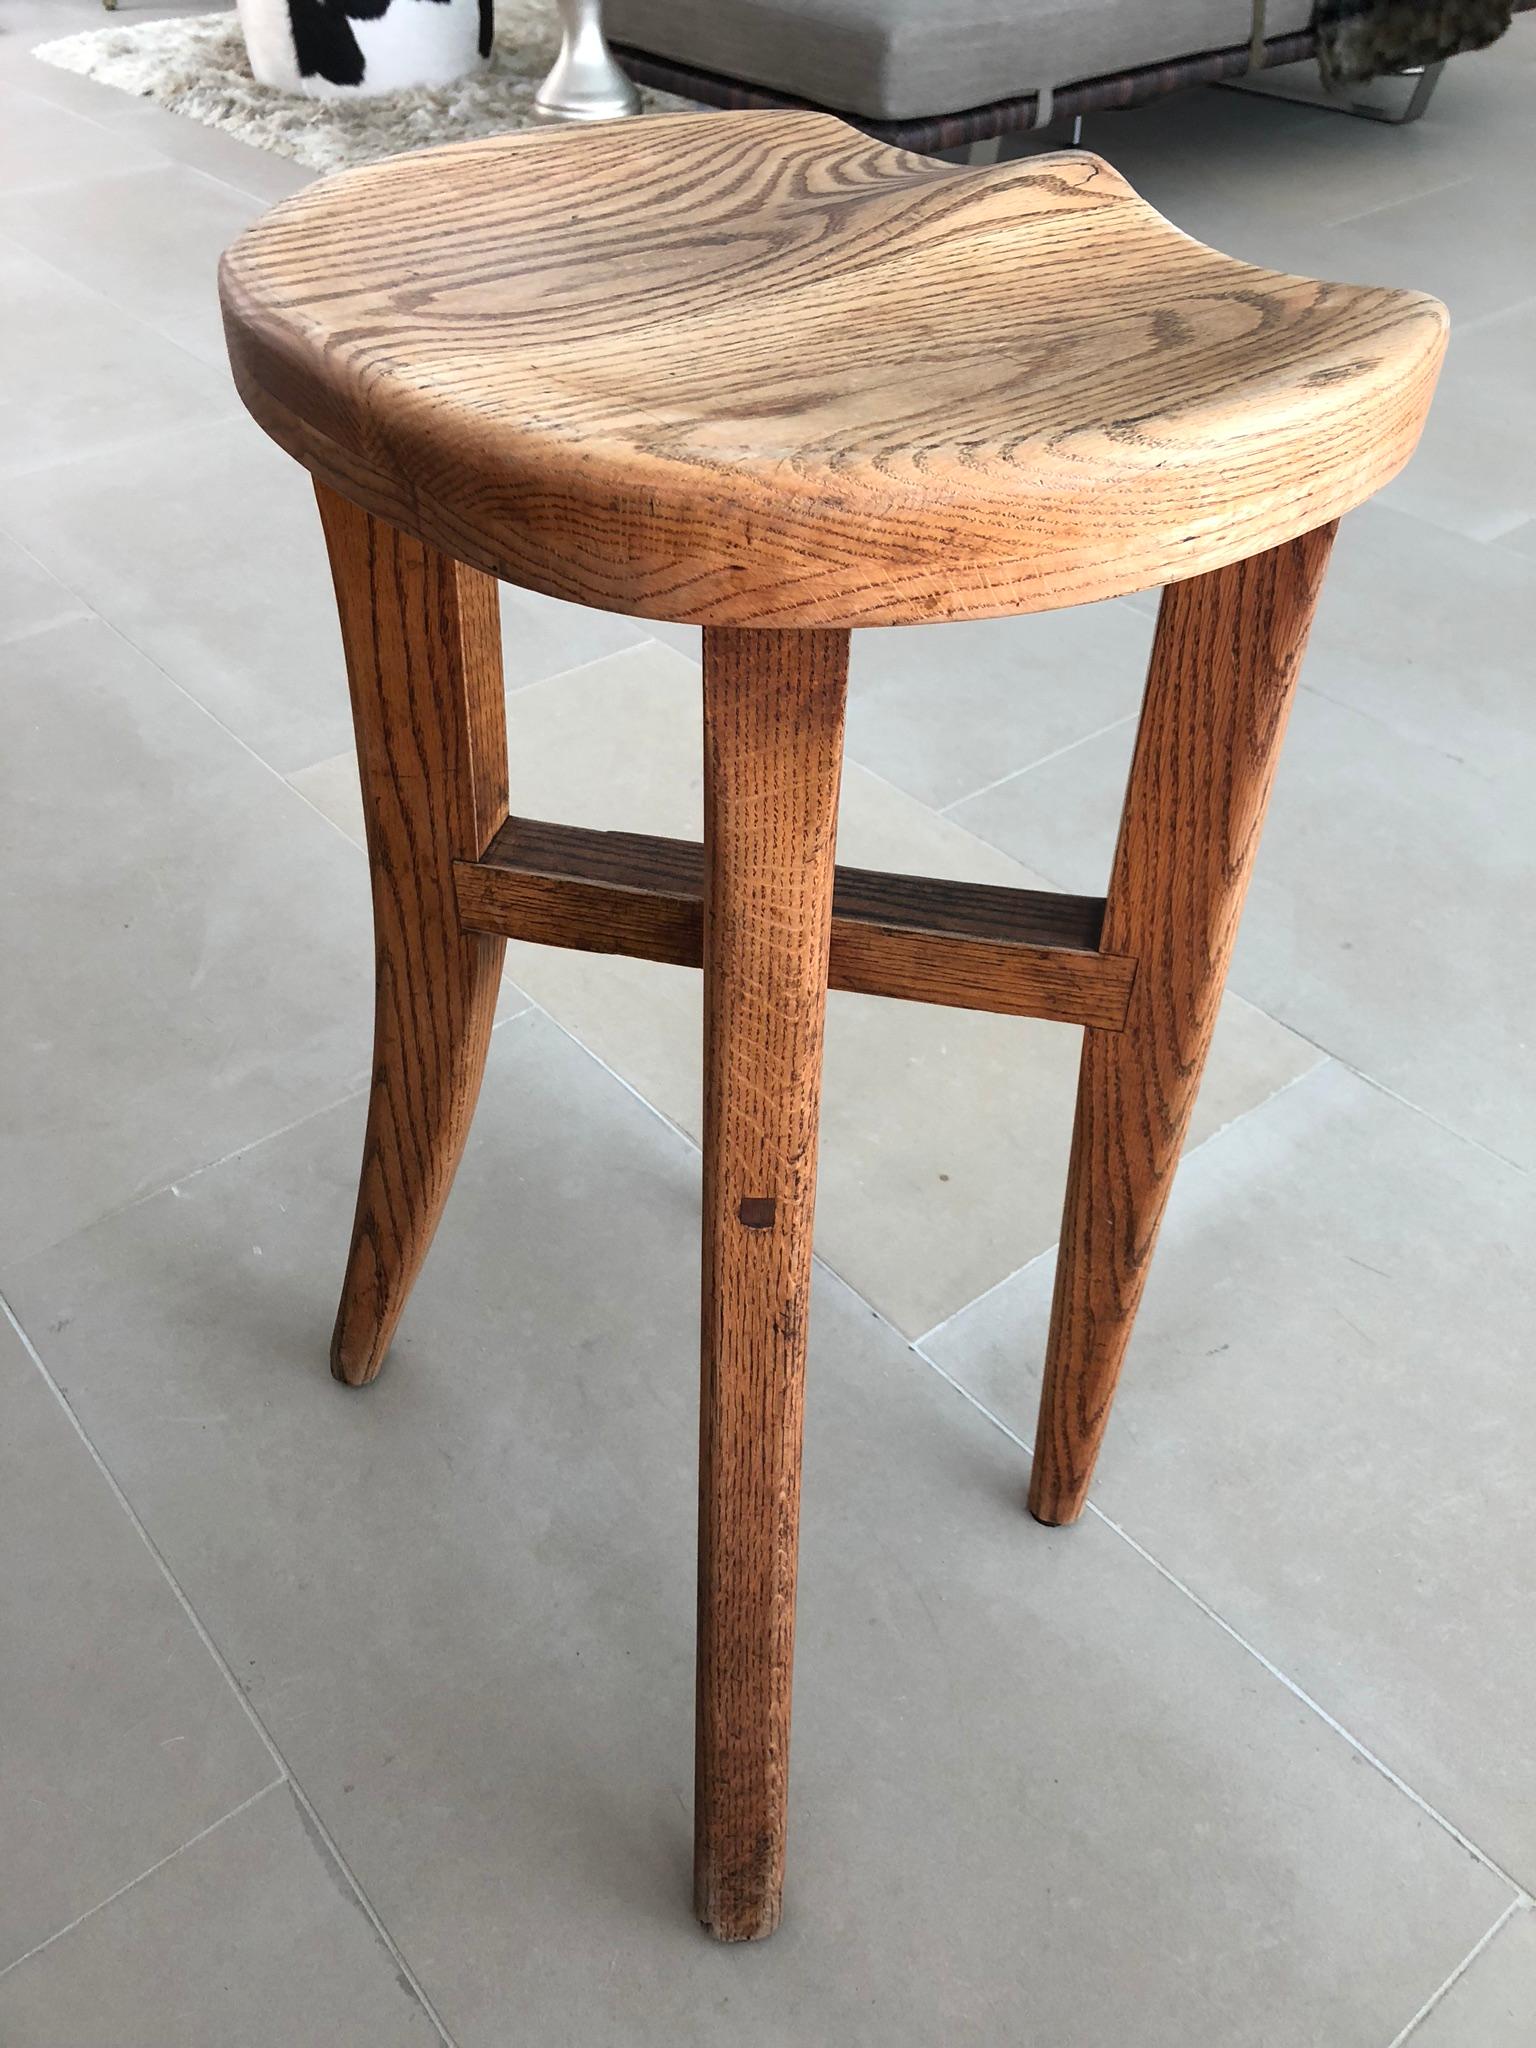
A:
[895,61]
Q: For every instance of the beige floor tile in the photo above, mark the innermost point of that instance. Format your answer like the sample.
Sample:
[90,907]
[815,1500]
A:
[78,375]
[942,711]
[1380,920]
[248,1938]
[23,72]
[42,144]
[30,598]
[205,549]
[1494,2004]
[1436,241]
[212,151]
[1235,169]
[1431,633]
[1472,471]
[1326,1427]
[944,1132]
[149,240]
[122,1738]
[1428,632]
[185,944]
[332,787]
[1030,1776]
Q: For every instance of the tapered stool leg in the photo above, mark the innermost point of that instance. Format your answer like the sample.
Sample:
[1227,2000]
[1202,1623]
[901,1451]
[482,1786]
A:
[423,654]
[773,716]
[1223,673]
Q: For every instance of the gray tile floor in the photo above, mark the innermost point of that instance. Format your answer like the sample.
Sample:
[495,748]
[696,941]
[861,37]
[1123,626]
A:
[337,1719]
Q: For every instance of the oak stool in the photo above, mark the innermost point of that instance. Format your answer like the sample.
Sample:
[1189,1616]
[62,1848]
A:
[759,372]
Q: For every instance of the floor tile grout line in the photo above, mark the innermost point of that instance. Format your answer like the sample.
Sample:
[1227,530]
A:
[818,1258]
[321,1831]
[1388,725]
[124,172]
[10,1316]
[1295,1030]
[1521,1899]
[510,691]
[1027,768]
[926,1336]
[170,1857]
[124,445]
[1362,1750]
[1515,523]
[1369,1081]
[121,314]
[212,717]
[563,675]
[23,547]
[284,778]
[1510,312]
[1324,1058]
[966,1395]
[120,119]
[1418,1109]
[1349,220]
[178,1181]
[369,1910]
[18,636]
[613,1073]
[31,91]
[1461,1969]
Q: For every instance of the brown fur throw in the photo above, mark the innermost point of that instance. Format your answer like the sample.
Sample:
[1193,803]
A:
[1360,39]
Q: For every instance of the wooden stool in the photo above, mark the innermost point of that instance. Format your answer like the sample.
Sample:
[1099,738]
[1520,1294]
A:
[758,372]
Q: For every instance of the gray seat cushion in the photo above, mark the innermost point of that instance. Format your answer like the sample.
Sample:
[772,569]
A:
[899,60]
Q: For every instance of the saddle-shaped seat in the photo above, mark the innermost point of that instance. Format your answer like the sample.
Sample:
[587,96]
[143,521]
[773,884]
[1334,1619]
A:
[757,369]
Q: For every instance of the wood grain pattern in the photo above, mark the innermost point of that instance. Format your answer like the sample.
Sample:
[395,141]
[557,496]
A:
[969,945]
[773,733]
[758,369]
[423,652]
[1223,673]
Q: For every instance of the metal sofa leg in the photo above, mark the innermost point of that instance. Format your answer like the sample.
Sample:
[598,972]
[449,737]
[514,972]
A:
[1379,100]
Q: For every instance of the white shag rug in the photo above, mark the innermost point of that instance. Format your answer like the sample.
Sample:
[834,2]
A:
[196,66]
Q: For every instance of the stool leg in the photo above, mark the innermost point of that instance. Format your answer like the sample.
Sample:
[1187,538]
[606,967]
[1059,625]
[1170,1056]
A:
[423,652]
[773,735]
[1219,691]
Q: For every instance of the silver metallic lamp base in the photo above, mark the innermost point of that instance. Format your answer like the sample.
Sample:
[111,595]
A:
[585,84]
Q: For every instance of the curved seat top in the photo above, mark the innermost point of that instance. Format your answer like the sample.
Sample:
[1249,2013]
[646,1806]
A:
[757,369]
